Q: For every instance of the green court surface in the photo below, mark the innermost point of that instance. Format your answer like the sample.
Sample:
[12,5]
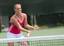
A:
[43,32]
[49,31]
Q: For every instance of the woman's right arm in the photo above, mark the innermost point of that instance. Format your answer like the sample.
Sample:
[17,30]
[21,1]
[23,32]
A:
[15,22]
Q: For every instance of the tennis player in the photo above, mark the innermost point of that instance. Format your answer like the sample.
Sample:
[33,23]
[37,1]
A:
[18,24]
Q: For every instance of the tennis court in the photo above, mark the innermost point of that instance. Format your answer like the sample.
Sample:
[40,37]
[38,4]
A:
[43,37]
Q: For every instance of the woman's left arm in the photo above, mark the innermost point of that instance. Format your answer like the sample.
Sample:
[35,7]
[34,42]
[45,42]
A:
[26,25]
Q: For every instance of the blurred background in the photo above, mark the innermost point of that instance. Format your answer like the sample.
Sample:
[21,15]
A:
[42,13]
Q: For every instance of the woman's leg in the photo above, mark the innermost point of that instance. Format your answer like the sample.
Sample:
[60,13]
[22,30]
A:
[23,40]
[10,35]
[24,43]
[10,44]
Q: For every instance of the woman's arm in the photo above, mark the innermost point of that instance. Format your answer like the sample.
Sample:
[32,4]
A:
[15,22]
[26,25]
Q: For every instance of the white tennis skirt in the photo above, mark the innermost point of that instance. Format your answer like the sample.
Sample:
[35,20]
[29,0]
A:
[11,35]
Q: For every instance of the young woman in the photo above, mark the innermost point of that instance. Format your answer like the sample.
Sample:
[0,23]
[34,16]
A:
[18,24]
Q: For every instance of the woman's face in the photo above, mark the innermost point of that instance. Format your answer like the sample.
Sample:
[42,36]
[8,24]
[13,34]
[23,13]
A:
[18,8]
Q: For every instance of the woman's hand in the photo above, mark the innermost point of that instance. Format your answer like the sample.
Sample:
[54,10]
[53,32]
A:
[29,33]
[36,27]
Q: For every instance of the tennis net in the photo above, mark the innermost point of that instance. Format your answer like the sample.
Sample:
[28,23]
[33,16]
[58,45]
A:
[53,40]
